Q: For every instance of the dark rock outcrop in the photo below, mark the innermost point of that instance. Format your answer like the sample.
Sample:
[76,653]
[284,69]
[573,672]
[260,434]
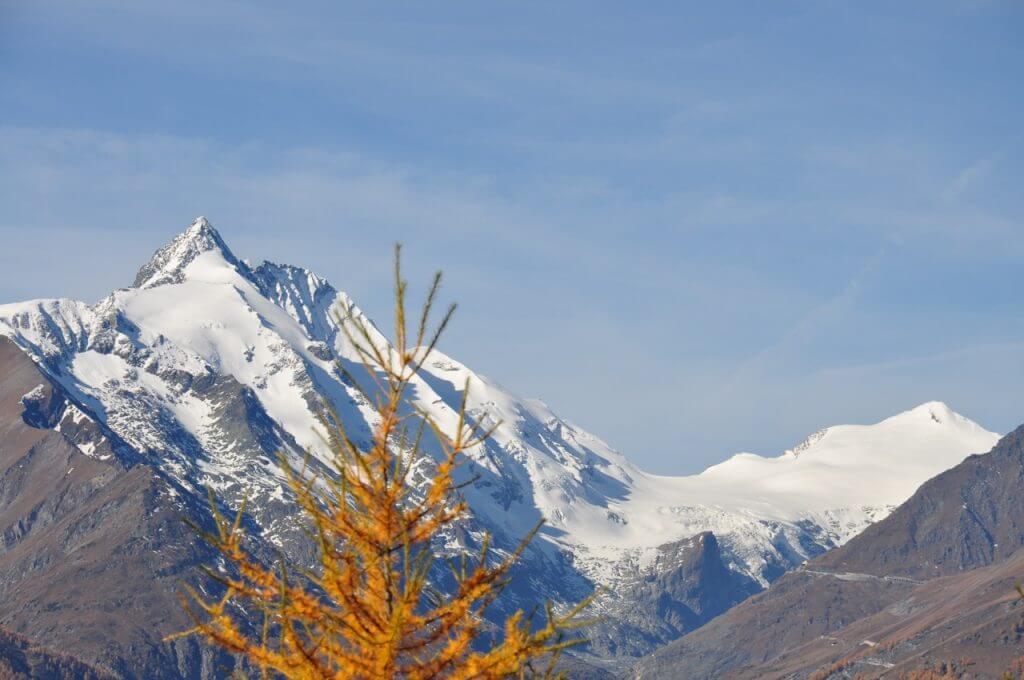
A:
[690,586]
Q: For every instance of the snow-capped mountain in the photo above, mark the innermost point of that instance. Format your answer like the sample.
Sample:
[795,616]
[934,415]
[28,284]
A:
[208,366]
[825,490]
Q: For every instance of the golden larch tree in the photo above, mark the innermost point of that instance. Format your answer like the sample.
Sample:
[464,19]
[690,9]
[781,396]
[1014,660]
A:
[368,609]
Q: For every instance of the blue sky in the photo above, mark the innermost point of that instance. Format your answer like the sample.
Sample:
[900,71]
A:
[692,228]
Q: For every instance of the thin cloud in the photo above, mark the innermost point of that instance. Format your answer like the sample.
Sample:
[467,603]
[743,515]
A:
[978,171]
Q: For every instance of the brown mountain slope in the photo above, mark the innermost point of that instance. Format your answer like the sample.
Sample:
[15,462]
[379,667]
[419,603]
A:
[20,659]
[91,552]
[975,615]
[933,581]
[967,517]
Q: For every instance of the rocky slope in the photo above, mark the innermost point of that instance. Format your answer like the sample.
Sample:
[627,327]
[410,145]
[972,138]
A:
[927,587]
[91,549]
[207,367]
[21,659]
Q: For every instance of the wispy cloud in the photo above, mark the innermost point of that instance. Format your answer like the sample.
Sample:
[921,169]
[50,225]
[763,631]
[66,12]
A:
[978,171]
[816,323]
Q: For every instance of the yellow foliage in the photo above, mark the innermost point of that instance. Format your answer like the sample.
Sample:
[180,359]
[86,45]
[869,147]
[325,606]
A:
[368,610]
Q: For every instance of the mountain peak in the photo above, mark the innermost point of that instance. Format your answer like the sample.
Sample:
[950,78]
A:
[201,225]
[937,411]
[168,263]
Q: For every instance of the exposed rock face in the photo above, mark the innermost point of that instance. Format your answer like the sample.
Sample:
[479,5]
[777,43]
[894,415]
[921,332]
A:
[688,585]
[91,552]
[930,584]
